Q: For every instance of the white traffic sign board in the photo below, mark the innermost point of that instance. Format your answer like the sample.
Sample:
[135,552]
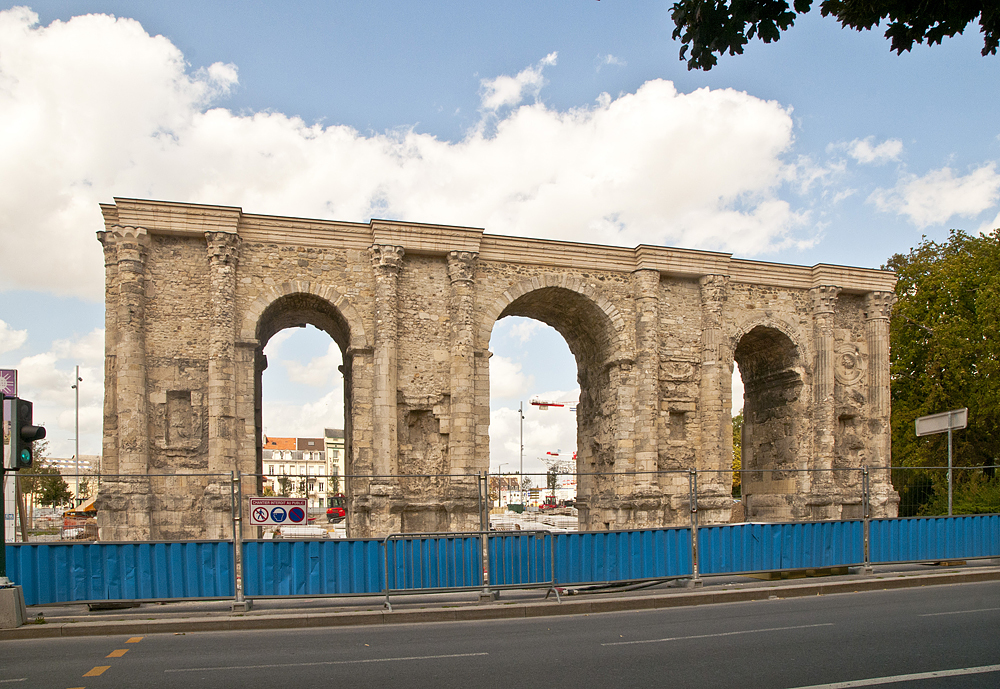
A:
[278,511]
[942,423]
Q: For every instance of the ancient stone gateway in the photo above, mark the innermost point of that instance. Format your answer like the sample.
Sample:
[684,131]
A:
[194,293]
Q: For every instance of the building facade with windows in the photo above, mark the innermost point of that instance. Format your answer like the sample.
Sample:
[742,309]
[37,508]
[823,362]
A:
[297,467]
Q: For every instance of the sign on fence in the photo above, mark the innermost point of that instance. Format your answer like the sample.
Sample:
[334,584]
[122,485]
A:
[278,511]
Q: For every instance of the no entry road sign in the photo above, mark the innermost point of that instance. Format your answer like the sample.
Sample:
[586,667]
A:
[277,511]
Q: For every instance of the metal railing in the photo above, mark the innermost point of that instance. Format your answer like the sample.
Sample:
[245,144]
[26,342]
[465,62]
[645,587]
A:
[232,566]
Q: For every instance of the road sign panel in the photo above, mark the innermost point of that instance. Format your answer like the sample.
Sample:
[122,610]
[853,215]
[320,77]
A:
[277,511]
[942,423]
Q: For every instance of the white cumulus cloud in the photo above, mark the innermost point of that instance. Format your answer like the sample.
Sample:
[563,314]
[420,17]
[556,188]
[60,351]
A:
[506,91]
[320,371]
[11,339]
[939,195]
[863,151]
[95,107]
[507,381]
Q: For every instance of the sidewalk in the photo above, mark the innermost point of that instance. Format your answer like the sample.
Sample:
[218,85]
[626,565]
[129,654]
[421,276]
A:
[292,613]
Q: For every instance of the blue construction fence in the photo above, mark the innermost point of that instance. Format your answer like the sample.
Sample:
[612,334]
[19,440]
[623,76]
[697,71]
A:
[191,570]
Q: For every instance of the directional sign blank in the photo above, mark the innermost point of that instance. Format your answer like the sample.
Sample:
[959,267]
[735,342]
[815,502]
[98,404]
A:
[942,423]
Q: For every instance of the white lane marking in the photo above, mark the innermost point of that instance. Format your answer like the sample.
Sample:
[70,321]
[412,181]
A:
[957,612]
[327,662]
[906,678]
[19,679]
[711,636]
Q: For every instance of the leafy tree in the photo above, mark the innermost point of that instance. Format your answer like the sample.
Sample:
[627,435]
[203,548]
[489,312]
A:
[945,354]
[737,454]
[713,27]
[53,490]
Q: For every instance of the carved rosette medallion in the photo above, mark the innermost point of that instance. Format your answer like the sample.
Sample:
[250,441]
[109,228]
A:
[849,365]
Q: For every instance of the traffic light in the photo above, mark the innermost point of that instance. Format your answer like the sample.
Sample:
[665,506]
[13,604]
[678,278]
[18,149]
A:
[22,434]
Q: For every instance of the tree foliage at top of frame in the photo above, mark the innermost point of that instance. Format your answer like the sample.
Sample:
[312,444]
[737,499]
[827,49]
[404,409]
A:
[945,348]
[709,28]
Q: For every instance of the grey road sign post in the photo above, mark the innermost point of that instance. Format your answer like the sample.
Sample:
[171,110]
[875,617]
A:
[939,423]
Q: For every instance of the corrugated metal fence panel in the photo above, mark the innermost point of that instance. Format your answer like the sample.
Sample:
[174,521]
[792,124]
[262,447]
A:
[520,558]
[431,562]
[731,548]
[917,539]
[599,556]
[312,568]
[67,572]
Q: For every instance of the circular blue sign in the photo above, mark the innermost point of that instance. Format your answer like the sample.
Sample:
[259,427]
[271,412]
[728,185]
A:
[278,514]
[296,514]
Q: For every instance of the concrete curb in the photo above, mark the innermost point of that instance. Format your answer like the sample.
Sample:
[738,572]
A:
[493,611]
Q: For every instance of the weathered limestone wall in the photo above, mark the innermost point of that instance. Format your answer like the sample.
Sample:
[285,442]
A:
[195,292]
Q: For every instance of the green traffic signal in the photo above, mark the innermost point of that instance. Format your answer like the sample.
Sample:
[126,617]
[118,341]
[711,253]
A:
[23,433]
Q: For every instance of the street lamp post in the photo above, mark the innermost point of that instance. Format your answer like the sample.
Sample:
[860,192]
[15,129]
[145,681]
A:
[520,473]
[76,387]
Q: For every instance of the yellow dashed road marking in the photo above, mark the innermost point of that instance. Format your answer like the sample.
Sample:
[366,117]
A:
[134,640]
[97,671]
[117,653]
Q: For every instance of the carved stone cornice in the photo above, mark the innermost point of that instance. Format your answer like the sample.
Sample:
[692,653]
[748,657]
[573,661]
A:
[878,305]
[386,259]
[223,247]
[462,266]
[824,298]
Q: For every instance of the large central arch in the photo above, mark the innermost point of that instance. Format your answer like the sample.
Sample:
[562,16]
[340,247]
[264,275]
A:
[575,312]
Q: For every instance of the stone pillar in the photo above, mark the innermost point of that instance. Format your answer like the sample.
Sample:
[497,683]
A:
[715,459]
[126,500]
[223,258]
[824,300]
[878,308]
[646,285]
[109,448]
[386,263]
[462,436]
[133,414]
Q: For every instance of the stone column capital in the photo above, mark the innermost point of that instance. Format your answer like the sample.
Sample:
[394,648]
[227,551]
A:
[462,265]
[824,298]
[646,282]
[878,305]
[223,247]
[386,259]
[714,291]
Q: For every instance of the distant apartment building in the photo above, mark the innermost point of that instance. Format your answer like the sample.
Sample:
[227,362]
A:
[334,445]
[296,467]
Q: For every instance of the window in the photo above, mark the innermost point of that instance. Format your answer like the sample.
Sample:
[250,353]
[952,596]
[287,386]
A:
[270,468]
[321,487]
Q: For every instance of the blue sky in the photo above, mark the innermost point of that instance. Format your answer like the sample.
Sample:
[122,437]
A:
[563,119]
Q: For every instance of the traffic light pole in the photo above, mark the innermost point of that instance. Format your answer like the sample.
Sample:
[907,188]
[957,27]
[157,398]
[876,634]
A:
[4,581]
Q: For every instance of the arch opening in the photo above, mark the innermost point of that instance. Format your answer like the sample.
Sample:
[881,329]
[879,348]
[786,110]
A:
[308,398]
[589,335]
[775,415]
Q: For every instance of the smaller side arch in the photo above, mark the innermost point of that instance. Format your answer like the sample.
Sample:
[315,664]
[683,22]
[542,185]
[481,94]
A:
[791,331]
[252,316]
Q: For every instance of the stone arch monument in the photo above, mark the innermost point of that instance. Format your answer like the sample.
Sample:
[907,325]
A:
[194,292]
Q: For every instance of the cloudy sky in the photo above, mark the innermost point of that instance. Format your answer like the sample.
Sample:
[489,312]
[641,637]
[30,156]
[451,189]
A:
[564,119]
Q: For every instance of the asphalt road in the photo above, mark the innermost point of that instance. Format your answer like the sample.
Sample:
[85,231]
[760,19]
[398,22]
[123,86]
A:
[863,638]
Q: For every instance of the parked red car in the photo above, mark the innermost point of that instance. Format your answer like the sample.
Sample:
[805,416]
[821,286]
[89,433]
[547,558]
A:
[336,508]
